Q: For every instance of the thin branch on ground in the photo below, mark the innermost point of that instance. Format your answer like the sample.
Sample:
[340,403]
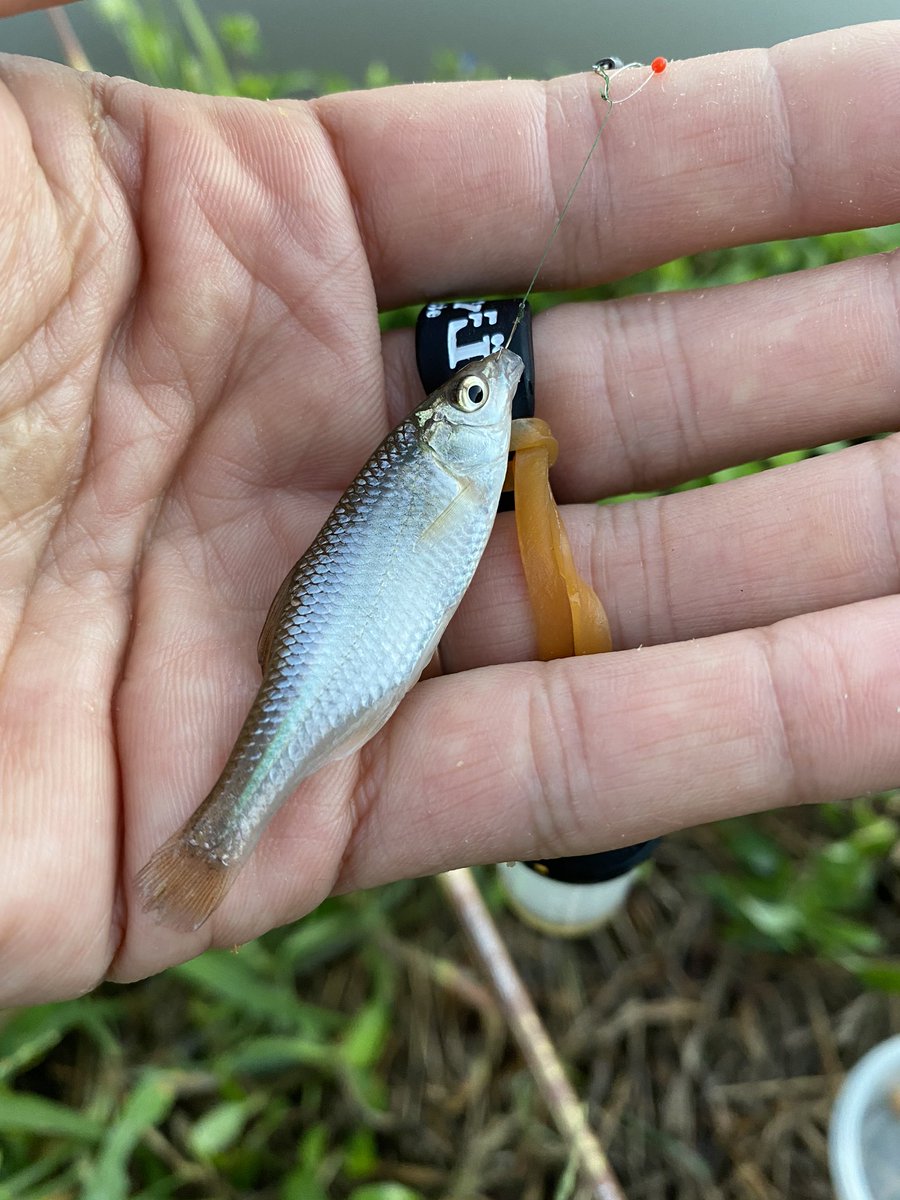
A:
[530,1034]
[69,40]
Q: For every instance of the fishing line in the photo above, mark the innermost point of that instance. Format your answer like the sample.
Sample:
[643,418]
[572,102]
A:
[605,68]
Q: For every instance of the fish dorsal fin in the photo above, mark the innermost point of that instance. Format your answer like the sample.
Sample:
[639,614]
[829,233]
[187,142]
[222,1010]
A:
[272,621]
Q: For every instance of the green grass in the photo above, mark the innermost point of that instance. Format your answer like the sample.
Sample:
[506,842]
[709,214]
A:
[817,904]
[243,1046]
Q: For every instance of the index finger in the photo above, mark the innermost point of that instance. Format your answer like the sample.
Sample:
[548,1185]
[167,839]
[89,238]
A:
[457,186]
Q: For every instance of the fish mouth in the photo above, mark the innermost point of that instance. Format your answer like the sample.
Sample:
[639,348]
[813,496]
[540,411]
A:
[509,366]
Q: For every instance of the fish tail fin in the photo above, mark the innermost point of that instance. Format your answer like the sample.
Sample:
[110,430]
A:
[182,887]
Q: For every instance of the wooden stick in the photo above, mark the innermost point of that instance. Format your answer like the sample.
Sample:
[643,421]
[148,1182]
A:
[530,1034]
[68,39]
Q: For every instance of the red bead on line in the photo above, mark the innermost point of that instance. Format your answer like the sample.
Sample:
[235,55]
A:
[659,65]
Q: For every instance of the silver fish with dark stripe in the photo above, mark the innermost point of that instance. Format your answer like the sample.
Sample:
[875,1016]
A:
[352,626]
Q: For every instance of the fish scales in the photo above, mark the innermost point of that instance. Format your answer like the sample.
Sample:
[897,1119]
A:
[367,604]
[353,625]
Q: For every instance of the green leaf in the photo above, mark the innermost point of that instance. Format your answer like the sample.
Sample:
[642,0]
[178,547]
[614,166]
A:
[322,936]
[153,50]
[287,83]
[240,33]
[692,485]
[789,457]
[882,974]
[363,1043]
[377,75]
[835,936]
[303,1181]
[256,85]
[114,10]
[384,1191]
[22,1112]
[841,877]
[627,497]
[755,850]
[779,921]
[360,1154]
[217,76]
[220,1128]
[237,980]
[313,1146]
[27,1035]
[35,1173]
[749,468]
[160,1190]
[876,837]
[301,1184]
[148,1104]
[261,1055]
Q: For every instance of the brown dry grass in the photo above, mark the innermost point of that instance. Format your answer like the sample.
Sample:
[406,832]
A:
[709,1072]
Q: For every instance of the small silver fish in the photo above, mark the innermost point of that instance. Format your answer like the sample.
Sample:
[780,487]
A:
[352,626]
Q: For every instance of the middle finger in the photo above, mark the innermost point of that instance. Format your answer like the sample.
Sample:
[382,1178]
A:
[815,535]
[654,390]
[650,391]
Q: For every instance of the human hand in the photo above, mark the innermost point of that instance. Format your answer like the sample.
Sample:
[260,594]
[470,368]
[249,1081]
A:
[192,370]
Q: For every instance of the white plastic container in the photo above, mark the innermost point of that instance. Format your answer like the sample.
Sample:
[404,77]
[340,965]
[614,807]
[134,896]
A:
[864,1134]
[563,909]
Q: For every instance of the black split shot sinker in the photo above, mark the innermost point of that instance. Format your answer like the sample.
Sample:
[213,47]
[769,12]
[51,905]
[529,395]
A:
[563,896]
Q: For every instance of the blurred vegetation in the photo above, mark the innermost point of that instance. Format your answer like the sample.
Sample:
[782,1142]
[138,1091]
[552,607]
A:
[171,43]
[819,902]
[241,1047]
[232,1071]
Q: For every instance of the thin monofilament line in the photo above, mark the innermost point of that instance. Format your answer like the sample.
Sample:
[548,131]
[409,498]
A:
[605,96]
[560,219]
[640,87]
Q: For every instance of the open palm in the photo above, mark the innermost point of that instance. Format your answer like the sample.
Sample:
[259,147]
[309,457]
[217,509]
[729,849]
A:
[192,370]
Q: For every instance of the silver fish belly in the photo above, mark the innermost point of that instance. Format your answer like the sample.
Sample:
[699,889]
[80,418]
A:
[352,626]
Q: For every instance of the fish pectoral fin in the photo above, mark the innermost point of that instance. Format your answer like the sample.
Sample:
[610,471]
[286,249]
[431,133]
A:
[272,621]
[434,528]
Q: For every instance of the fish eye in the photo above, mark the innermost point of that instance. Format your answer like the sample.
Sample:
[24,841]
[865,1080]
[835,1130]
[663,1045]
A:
[472,393]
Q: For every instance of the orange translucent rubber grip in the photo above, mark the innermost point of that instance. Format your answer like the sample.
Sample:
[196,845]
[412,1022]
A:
[569,618]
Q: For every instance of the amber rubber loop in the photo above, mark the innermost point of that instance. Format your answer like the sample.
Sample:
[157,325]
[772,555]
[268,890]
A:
[569,617]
